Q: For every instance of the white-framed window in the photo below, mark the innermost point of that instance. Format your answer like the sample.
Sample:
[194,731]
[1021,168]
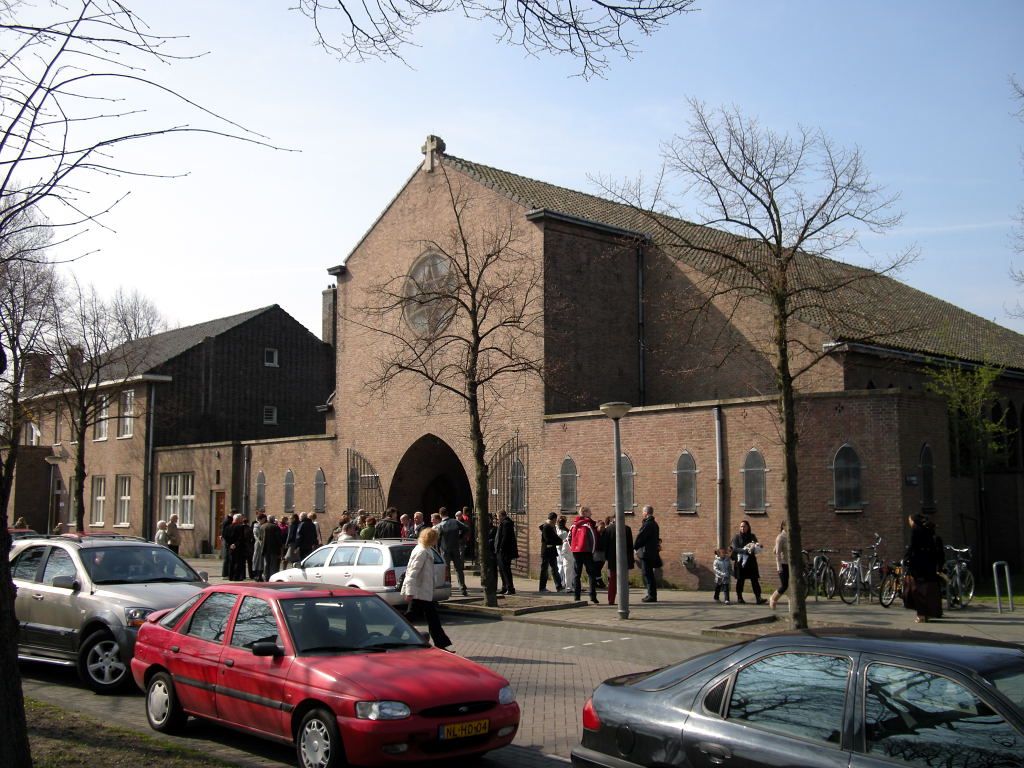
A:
[99,428]
[99,499]
[320,492]
[686,483]
[73,425]
[289,491]
[179,497]
[270,414]
[846,479]
[58,427]
[123,486]
[261,491]
[270,357]
[568,477]
[32,434]
[126,413]
[628,475]
[754,485]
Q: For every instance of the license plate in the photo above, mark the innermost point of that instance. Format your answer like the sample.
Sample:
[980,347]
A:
[462,730]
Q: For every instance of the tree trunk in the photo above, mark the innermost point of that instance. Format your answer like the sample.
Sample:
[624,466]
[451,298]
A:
[797,587]
[14,746]
[79,490]
[485,555]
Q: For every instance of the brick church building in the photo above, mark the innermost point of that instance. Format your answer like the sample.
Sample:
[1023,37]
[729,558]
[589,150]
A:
[701,443]
[612,322]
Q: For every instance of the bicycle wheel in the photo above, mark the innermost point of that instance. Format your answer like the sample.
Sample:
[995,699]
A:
[874,582]
[828,582]
[849,583]
[966,587]
[890,587]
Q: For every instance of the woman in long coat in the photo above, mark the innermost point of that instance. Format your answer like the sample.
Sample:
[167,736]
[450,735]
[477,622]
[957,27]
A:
[923,559]
[744,552]
[418,586]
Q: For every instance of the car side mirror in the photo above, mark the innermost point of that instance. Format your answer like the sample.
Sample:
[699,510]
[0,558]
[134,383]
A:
[267,648]
[204,576]
[66,582]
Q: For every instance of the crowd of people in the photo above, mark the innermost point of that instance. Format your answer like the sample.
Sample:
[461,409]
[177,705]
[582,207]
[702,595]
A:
[569,552]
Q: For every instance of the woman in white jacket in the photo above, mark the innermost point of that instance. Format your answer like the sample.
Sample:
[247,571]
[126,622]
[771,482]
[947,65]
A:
[418,586]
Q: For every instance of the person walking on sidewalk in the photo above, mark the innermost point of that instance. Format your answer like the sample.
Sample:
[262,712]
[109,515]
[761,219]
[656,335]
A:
[744,551]
[646,545]
[506,549]
[418,586]
[549,544]
[723,573]
[566,563]
[610,555]
[582,541]
[173,534]
[450,533]
[781,565]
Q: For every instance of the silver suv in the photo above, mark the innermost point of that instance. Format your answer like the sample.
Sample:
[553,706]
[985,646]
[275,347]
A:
[81,599]
[377,566]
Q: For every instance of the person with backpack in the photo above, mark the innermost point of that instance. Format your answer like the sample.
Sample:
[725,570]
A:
[450,534]
[582,542]
[549,544]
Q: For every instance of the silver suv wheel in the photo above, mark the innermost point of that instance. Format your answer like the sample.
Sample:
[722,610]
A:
[100,663]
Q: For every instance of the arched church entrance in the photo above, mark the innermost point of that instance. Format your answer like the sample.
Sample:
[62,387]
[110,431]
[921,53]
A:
[428,477]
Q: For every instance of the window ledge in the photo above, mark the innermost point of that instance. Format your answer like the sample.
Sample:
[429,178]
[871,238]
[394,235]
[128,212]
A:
[125,437]
[99,439]
[186,526]
[759,511]
[122,525]
[686,511]
[96,525]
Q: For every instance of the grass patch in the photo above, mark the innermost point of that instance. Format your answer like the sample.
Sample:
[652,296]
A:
[62,739]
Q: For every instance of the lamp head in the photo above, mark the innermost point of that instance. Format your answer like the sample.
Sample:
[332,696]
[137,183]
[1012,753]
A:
[615,410]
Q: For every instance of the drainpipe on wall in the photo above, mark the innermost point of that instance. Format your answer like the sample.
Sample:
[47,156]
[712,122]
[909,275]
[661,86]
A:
[246,464]
[719,479]
[641,333]
[148,494]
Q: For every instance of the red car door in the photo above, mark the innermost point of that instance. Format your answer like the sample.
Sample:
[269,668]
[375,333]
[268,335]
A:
[195,653]
[250,688]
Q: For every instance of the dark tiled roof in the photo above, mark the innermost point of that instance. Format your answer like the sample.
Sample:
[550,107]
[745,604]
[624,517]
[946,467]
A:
[865,304]
[145,355]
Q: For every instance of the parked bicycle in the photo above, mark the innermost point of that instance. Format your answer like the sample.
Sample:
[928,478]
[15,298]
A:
[861,576]
[819,575]
[892,584]
[959,581]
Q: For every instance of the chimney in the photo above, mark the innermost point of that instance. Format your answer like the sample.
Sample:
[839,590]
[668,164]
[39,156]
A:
[329,315]
[76,356]
[432,150]
[37,367]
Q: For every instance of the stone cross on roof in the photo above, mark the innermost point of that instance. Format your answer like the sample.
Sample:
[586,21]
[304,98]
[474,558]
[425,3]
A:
[432,149]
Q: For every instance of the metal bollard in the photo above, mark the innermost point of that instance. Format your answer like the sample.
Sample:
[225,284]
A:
[1009,587]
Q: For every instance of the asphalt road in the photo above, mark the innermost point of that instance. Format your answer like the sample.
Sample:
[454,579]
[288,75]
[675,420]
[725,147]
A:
[552,668]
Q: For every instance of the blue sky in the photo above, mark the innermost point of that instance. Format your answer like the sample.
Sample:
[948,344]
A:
[921,87]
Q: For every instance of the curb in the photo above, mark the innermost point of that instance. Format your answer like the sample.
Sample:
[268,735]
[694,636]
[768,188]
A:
[483,610]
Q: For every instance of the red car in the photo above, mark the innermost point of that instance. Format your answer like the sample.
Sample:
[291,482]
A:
[337,672]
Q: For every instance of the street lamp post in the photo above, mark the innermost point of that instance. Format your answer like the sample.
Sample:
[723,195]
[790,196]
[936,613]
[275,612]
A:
[616,411]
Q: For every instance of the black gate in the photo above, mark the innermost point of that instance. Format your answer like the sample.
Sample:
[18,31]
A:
[508,477]
[364,491]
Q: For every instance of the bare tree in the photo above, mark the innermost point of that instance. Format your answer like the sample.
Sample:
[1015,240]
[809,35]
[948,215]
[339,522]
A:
[73,91]
[1018,241]
[136,316]
[26,292]
[466,321]
[773,208]
[92,356]
[587,31]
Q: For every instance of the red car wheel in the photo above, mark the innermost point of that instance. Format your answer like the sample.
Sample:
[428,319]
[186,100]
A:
[318,742]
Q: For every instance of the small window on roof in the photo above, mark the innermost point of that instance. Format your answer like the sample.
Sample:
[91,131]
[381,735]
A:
[270,357]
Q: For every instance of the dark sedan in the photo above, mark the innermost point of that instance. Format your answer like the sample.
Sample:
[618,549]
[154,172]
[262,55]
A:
[837,698]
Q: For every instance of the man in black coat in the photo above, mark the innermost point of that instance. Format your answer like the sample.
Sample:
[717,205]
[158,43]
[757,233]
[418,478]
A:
[225,552]
[610,550]
[505,551]
[388,526]
[549,544]
[307,536]
[646,546]
[273,542]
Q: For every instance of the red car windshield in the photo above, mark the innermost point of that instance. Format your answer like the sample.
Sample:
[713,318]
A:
[340,624]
